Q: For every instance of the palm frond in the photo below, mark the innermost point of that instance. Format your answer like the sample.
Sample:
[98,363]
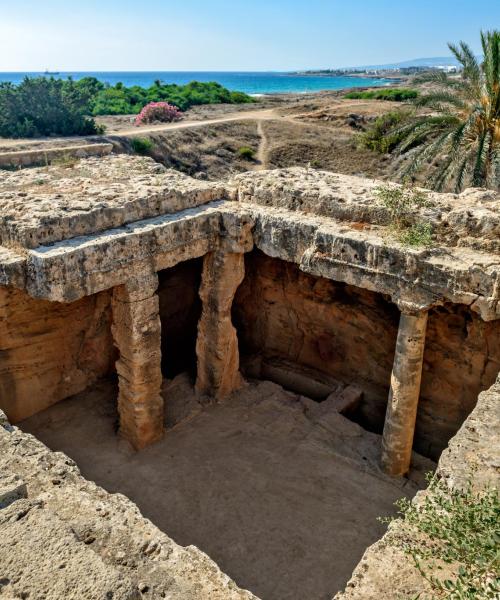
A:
[424,153]
[458,121]
[479,175]
[461,174]
[439,100]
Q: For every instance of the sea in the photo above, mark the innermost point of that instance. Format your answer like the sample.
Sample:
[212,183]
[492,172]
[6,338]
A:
[255,83]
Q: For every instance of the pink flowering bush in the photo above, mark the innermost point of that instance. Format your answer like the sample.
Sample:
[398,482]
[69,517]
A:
[160,112]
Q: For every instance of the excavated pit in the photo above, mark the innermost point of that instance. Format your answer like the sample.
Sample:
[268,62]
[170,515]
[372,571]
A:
[227,357]
[285,498]
[256,480]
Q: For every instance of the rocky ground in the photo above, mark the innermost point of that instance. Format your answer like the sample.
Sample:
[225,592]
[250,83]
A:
[283,493]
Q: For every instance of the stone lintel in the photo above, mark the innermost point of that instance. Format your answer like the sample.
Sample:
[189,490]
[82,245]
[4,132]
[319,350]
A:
[399,427]
[82,266]
[137,334]
[217,342]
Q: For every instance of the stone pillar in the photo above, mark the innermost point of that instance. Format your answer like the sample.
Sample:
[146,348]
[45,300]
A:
[137,334]
[217,342]
[399,426]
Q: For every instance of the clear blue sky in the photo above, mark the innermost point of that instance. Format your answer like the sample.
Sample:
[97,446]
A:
[232,34]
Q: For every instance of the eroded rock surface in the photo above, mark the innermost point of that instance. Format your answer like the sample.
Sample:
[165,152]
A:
[68,538]
[386,572]
[44,205]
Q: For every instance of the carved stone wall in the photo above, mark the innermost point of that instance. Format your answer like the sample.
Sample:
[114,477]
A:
[50,350]
[350,334]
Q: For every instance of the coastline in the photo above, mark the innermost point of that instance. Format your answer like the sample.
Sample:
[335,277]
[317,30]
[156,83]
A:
[253,83]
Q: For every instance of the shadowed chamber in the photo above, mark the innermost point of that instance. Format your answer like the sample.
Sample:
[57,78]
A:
[180,310]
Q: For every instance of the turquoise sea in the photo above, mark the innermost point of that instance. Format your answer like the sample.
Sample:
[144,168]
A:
[251,83]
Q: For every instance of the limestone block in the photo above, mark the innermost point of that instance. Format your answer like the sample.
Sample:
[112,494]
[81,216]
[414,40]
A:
[137,334]
[12,488]
[217,343]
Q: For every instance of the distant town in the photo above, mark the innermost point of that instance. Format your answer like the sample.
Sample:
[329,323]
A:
[386,72]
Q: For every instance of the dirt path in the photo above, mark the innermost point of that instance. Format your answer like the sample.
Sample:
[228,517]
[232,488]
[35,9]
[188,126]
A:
[137,131]
[262,155]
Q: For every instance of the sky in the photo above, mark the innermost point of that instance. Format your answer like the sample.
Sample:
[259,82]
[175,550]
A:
[224,35]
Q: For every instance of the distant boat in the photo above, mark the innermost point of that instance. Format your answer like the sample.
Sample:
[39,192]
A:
[47,72]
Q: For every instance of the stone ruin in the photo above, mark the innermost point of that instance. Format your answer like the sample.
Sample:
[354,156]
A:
[119,266]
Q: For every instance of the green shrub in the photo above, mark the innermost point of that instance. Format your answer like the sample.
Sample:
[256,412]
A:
[394,94]
[416,235]
[142,146]
[458,528]
[241,98]
[377,136]
[43,106]
[121,100]
[402,204]
[246,152]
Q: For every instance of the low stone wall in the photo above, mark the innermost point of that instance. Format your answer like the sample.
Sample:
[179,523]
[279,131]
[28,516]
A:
[50,350]
[29,158]
[64,537]
[385,572]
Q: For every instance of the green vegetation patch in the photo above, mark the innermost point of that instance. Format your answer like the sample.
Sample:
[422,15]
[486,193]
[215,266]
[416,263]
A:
[394,94]
[43,106]
[402,204]
[142,146]
[383,135]
[40,106]
[122,100]
[453,537]
[246,152]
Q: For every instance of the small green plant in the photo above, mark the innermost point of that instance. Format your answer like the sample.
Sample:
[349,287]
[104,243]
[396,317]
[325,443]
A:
[143,146]
[378,136]
[455,540]
[66,161]
[419,234]
[246,152]
[402,204]
[394,94]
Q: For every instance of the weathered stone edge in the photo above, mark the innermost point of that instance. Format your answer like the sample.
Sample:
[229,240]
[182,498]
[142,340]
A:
[414,279]
[385,572]
[53,482]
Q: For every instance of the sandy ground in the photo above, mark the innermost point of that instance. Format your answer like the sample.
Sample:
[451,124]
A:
[284,499]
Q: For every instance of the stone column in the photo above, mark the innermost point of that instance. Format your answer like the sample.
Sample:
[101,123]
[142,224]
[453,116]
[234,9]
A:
[217,342]
[137,334]
[399,426]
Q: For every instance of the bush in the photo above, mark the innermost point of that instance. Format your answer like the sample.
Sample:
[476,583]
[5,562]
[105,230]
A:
[121,100]
[458,528]
[246,152]
[377,137]
[161,112]
[394,94]
[40,106]
[402,205]
[417,235]
[142,146]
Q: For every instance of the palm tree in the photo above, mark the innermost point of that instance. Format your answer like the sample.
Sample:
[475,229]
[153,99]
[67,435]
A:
[461,124]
